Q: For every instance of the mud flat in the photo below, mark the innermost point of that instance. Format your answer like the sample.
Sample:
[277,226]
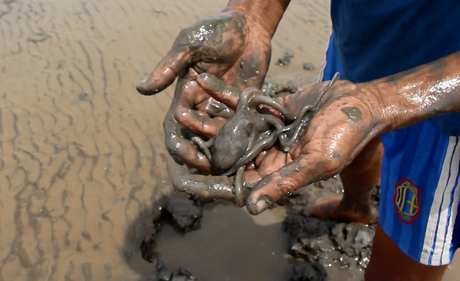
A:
[81,152]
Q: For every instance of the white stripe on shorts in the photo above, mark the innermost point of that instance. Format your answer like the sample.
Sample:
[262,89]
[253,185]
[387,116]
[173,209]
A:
[454,212]
[441,219]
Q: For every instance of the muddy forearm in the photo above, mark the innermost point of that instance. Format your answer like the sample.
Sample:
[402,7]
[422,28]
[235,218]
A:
[267,13]
[417,94]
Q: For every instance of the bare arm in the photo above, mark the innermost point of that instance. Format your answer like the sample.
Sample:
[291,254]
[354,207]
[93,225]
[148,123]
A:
[266,13]
[417,94]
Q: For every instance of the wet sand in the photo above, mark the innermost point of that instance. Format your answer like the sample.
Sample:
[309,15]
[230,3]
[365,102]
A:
[82,156]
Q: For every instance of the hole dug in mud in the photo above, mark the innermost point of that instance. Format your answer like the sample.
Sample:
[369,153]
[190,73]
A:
[229,245]
[219,241]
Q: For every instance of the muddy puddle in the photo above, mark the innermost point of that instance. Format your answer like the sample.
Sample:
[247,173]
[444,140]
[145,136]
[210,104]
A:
[230,245]
[82,160]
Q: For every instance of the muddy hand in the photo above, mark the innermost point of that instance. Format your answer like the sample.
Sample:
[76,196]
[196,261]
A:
[346,121]
[182,122]
[227,45]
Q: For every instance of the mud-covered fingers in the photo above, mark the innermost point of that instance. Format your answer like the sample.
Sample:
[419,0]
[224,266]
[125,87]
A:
[164,74]
[219,90]
[211,187]
[198,124]
[182,150]
[191,104]
[188,93]
[186,152]
[216,108]
[298,173]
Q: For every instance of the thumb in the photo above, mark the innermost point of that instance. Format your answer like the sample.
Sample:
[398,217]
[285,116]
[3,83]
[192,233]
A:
[302,171]
[175,61]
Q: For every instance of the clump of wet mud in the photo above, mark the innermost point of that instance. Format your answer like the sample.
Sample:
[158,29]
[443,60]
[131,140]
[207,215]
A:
[285,59]
[285,84]
[329,242]
[304,271]
[309,66]
[326,249]
[185,213]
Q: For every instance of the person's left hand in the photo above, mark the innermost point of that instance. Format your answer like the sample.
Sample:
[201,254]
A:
[232,45]
[348,118]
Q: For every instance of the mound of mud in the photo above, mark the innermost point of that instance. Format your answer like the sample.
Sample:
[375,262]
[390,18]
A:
[327,241]
[325,247]
[185,214]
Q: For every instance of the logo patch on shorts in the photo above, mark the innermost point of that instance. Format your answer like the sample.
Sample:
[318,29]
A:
[407,200]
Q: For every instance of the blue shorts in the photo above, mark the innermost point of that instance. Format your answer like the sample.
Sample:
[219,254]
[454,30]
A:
[420,196]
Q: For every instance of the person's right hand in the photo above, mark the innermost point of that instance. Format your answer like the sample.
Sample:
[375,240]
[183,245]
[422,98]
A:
[231,46]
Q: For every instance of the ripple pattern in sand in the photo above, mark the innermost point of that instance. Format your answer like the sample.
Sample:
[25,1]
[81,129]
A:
[82,159]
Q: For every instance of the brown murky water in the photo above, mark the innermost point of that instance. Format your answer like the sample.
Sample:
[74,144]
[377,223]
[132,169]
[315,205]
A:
[82,154]
[231,245]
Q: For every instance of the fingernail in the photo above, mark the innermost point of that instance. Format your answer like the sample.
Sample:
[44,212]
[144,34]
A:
[261,205]
[143,81]
[141,87]
[257,207]
[204,76]
[140,84]
[144,89]
[179,184]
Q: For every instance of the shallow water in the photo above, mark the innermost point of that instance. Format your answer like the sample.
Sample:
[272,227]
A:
[231,245]
[82,155]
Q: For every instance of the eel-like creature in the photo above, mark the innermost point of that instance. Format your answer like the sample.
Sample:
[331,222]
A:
[248,132]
